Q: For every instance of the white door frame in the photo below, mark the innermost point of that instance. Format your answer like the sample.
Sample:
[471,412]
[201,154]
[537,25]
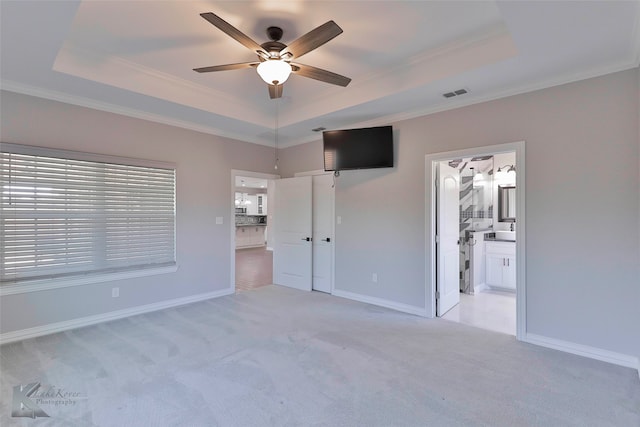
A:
[430,225]
[333,223]
[232,216]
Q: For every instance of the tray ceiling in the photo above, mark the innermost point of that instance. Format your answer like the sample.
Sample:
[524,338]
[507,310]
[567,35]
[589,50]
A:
[136,58]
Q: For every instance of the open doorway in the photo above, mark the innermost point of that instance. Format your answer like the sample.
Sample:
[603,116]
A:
[475,204]
[252,258]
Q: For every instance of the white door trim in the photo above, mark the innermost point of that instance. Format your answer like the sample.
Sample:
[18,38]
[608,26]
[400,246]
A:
[333,222]
[232,216]
[430,226]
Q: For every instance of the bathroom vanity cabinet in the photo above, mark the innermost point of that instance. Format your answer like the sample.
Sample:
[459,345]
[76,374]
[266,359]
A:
[500,265]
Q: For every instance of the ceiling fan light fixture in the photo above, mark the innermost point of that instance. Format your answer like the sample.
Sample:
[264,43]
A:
[274,71]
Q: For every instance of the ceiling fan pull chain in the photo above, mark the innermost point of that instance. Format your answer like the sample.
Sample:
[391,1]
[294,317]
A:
[275,142]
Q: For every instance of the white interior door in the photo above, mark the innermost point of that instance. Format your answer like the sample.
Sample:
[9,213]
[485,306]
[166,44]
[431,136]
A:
[292,233]
[447,229]
[323,232]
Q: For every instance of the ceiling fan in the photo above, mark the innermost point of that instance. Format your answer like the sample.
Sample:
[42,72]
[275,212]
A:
[274,58]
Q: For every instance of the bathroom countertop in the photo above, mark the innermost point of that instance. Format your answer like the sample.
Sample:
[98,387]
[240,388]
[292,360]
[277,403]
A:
[510,237]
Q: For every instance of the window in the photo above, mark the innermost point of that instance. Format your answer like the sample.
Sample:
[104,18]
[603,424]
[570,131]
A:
[64,214]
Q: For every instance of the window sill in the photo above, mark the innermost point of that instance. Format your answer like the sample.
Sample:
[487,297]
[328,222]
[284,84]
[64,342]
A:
[46,284]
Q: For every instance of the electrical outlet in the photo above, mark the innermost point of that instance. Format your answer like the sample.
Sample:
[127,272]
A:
[115,292]
[374,278]
[339,220]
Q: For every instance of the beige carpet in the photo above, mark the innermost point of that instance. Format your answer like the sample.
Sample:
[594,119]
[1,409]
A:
[279,357]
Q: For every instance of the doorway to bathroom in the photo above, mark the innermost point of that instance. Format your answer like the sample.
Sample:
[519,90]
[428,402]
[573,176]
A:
[475,219]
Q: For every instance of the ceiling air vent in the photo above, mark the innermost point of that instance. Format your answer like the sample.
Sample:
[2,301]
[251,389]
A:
[457,92]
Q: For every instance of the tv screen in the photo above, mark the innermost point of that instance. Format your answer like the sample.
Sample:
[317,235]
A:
[365,148]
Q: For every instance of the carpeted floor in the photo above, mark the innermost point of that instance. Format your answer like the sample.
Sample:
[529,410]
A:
[280,357]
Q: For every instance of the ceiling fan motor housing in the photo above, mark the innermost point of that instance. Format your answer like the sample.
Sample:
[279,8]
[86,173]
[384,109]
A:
[274,33]
[273,47]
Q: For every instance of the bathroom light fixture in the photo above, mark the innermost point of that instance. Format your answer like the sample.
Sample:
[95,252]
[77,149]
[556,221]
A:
[274,71]
[511,168]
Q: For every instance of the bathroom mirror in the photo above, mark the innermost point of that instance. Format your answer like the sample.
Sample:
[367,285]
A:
[507,203]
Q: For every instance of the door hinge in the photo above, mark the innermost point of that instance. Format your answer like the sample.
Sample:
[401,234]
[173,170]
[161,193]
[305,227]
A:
[437,239]
[437,294]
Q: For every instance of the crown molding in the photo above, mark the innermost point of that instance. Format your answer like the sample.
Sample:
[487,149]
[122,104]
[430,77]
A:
[12,86]
[518,90]
[473,100]
[131,76]
[494,42]
[24,89]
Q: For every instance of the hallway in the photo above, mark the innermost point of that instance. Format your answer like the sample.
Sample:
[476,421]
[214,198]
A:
[254,268]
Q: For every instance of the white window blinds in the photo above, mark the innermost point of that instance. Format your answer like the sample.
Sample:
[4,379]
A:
[66,213]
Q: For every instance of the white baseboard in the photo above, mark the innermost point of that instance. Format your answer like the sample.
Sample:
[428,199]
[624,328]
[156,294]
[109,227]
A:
[52,328]
[584,350]
[481,287]
[405,308]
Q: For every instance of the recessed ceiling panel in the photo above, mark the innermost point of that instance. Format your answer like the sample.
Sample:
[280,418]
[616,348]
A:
[152,47]
[137,57]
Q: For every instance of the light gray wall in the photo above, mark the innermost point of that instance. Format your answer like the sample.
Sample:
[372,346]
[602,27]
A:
[582,207]
[638,217]
[204,164]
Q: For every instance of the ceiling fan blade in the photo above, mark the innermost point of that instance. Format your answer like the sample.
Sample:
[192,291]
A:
[313,39]
[234,33]
[319,74]
[275,91]
[226,67]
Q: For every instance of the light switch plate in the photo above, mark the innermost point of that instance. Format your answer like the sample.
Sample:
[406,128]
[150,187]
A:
[218,220]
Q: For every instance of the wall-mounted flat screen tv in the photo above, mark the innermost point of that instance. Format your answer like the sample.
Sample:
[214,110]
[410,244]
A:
[365,148]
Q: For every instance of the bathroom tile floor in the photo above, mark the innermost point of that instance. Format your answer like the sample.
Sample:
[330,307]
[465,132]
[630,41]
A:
[488,309]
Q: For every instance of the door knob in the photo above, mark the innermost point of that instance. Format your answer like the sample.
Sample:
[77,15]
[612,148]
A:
[328,239]
[308,239]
